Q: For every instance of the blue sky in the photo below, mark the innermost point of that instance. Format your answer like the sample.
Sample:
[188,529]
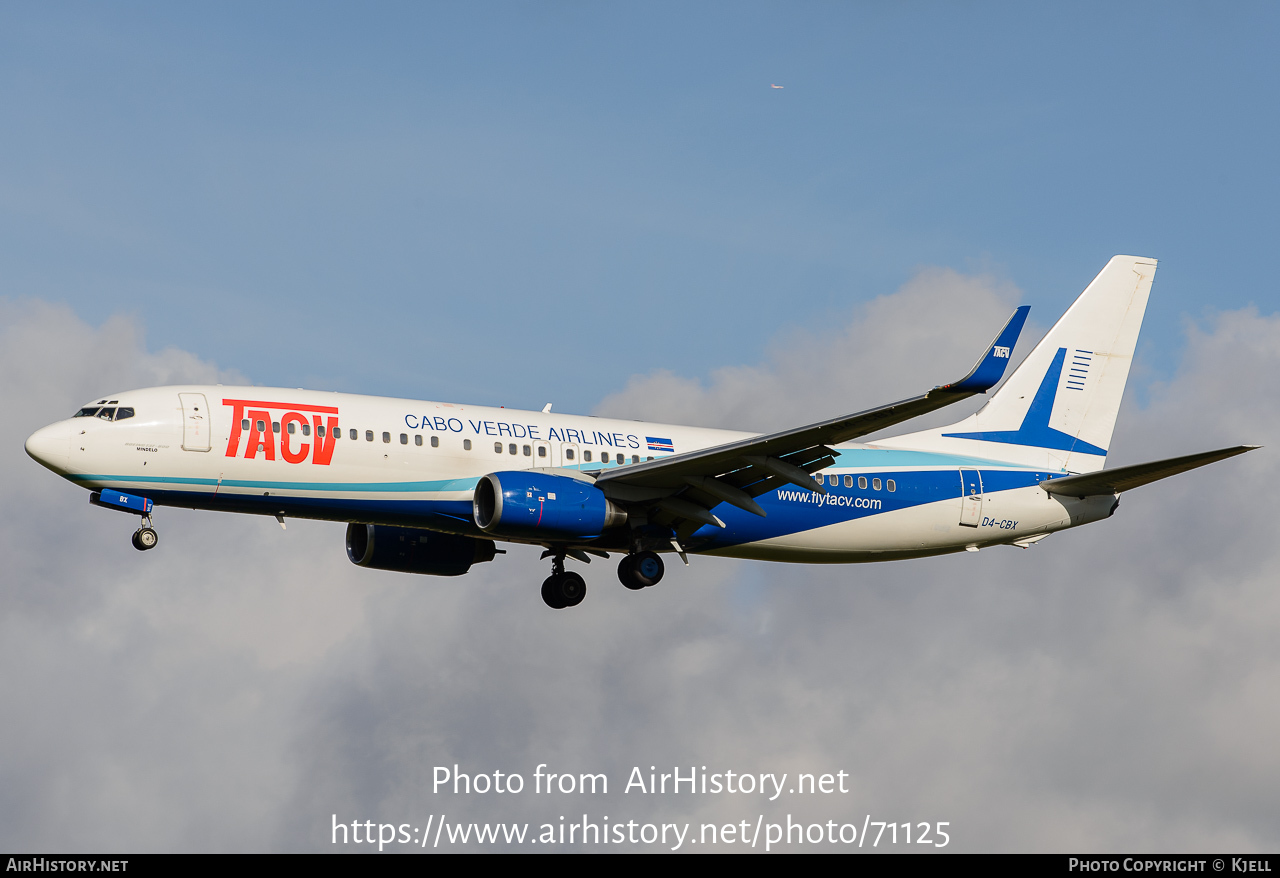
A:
[514,203]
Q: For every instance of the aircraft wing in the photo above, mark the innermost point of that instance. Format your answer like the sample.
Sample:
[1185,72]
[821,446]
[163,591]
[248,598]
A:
[1122,478]
[685,487]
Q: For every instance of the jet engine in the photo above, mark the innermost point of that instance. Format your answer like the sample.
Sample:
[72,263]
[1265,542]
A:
[543,506]
[412,550]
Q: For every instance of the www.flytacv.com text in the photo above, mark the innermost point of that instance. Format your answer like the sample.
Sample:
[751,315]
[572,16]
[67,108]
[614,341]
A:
[438,831]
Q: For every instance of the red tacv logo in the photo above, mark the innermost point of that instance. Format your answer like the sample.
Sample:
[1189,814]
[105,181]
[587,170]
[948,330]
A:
[262,436]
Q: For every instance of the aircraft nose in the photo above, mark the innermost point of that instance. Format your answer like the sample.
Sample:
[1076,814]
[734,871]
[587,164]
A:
[51,446]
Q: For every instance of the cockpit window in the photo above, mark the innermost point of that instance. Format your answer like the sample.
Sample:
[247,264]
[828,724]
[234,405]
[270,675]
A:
[107,413]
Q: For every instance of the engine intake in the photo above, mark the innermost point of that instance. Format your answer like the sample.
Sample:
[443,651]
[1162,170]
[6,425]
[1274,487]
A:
[412,550]
[541,505]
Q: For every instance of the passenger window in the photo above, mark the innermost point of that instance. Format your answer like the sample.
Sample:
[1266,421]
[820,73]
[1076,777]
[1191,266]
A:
[635,458]
[352,434]
[586,456]
[292,428]
[527,451]
[435,442]
[262,427]
[306,429]
[817,477]
[122,413]
[466,444]
[542,451]
[648,458]
[275,426]
[862,482]
[244,424]
[890,485]
[621,458]
[875,484]
[833,481]
[568,454]
[368,435]
[404,439]
[512,448]
[320,431]
[386,437]
[848,481]
[106,414]
[497,448]
[417,438]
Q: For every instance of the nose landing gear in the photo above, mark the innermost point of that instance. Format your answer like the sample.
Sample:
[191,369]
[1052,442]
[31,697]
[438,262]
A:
[145,537]
[641,570]
[563,588]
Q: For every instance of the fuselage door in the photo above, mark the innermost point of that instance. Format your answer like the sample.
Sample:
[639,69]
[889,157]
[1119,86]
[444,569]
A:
[542,454]
[971,497]
[196,424]
[570,455]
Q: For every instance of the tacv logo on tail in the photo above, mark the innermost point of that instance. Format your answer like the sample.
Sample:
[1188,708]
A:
[299,438]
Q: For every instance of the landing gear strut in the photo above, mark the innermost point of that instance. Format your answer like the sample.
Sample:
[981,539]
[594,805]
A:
[145,537]
[641,570]
[563,588]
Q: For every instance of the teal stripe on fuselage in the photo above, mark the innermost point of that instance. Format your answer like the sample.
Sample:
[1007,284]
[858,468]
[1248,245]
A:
[367,487]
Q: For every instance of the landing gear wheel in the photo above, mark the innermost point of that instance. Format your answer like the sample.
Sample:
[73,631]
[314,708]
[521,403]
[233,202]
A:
[641,570]
[561,590]
[627,573]
[551,593]
[573,588]
[145,538]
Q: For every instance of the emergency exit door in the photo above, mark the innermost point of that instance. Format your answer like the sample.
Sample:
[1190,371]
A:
[971,497]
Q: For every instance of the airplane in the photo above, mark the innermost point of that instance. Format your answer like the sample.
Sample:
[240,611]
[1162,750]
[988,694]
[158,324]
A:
[432,487]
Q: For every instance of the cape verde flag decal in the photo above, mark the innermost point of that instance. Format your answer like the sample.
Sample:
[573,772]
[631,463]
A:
[656,444]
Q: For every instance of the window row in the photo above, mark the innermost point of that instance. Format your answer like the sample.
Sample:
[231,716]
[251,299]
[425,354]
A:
[569,453]
[834,481]
[353,434]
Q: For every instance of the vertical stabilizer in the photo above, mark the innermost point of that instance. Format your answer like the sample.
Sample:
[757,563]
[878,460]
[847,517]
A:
[1059,408]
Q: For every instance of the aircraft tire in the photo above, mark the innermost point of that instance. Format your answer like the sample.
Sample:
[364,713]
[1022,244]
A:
[648,568]
[145,538]
[627,573]
[551,593]
[573,588]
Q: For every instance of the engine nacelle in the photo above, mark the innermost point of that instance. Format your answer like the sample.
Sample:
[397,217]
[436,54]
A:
[411,550]
[543,506]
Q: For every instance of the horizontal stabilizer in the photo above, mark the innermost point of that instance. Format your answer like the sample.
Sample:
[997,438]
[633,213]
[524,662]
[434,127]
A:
[1122,478]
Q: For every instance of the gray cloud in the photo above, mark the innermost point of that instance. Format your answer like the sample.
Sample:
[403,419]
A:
[1111,688]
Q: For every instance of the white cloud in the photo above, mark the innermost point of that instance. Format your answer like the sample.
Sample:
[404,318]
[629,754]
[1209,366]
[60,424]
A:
[1111,688]
[927,333]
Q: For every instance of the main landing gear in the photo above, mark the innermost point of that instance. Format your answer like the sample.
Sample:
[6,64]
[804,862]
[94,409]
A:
[563,588]
[641,570]
[145,537]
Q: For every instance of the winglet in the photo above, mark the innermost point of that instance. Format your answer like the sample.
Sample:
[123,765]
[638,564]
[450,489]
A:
[990,369]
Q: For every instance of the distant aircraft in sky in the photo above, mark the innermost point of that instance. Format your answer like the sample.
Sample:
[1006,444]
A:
[429,487]
[771,85]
